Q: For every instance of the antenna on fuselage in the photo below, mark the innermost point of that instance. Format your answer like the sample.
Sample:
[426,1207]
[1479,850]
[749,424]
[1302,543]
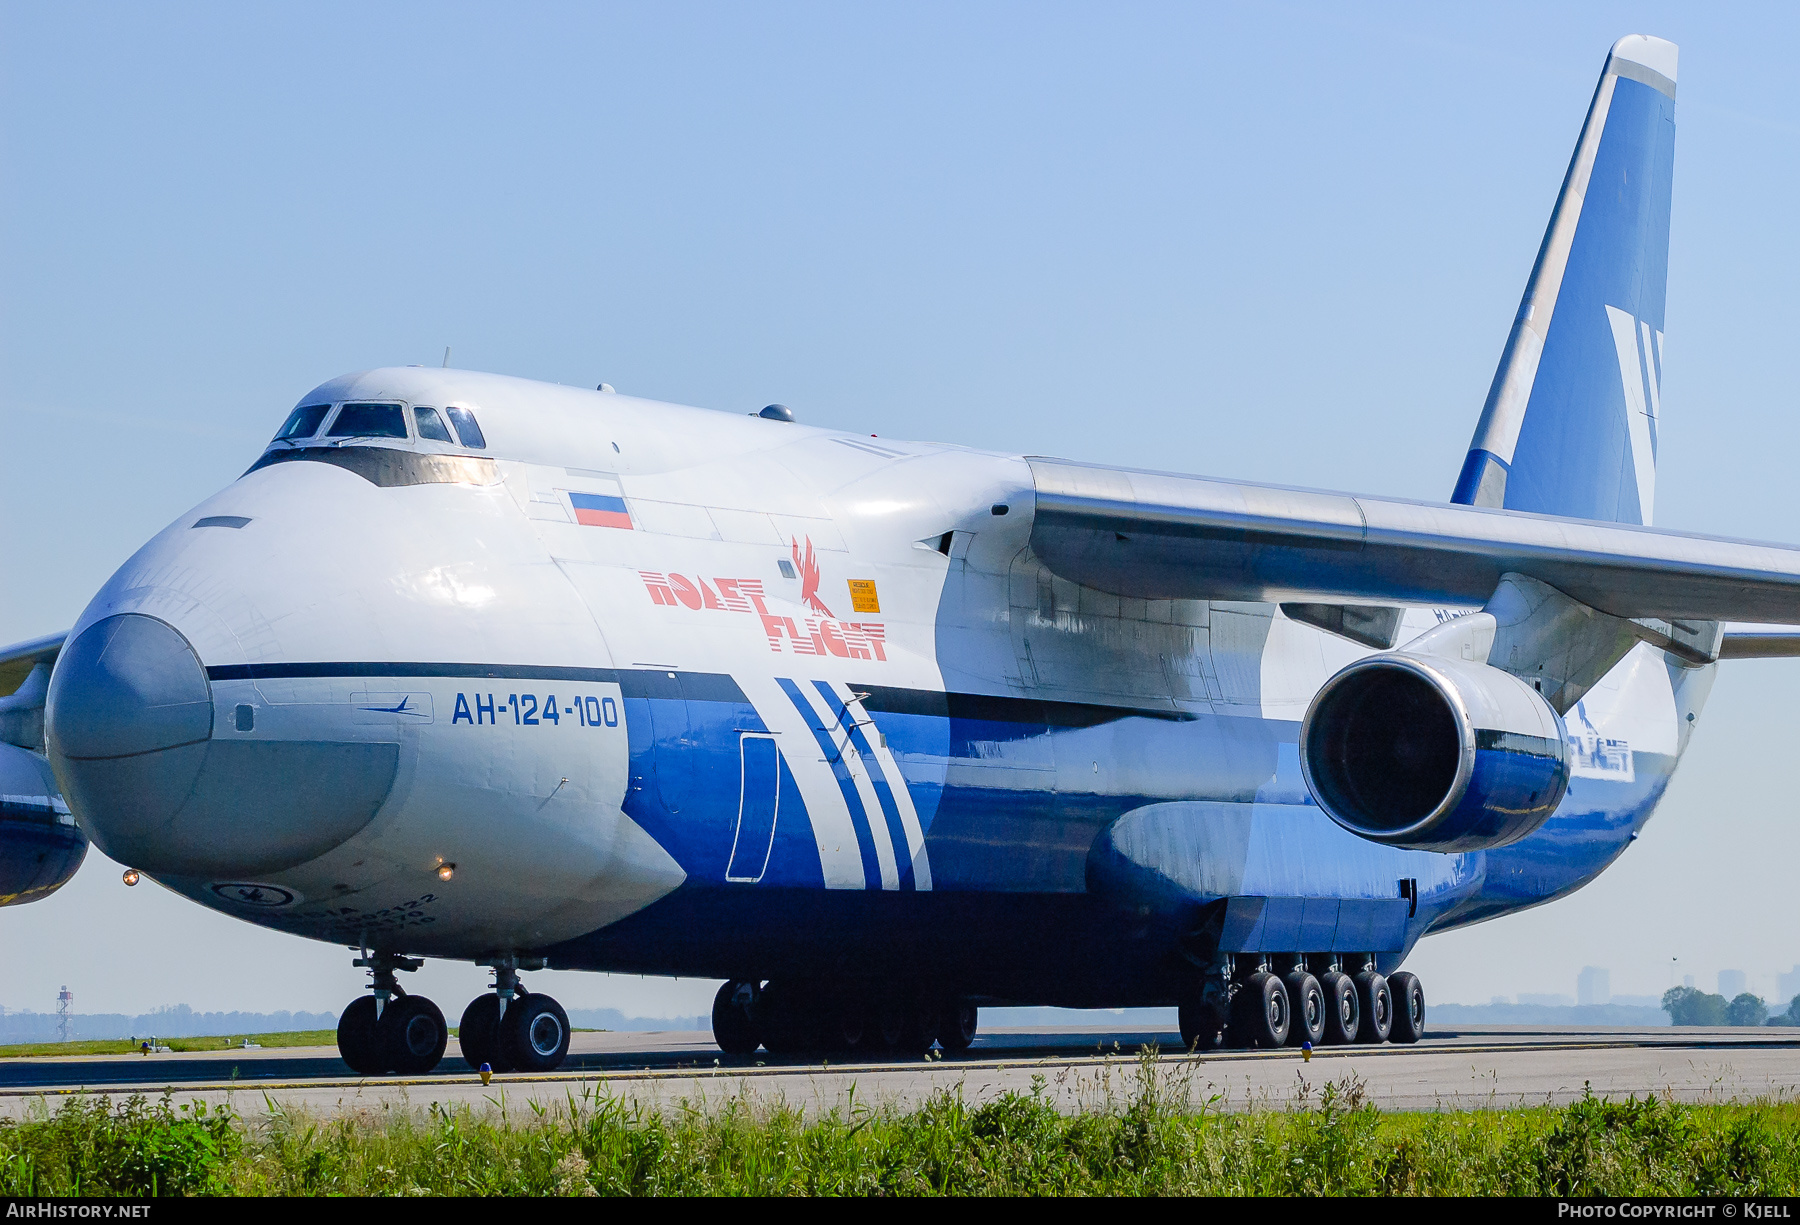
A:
[446,357]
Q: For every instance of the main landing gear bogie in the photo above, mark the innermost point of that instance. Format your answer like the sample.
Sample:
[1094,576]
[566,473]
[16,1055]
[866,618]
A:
[509,1030]
[512,1029]
[1254,1007]
[792,1018]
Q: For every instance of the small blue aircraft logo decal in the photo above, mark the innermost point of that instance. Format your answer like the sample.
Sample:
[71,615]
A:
[384,707]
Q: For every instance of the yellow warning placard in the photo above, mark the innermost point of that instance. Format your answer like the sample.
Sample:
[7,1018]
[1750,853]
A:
[862,595]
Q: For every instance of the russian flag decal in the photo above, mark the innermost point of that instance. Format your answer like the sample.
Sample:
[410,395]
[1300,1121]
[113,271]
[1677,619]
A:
[600,510]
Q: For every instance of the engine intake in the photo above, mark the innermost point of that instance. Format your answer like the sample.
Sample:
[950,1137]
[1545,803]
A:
[1433,754]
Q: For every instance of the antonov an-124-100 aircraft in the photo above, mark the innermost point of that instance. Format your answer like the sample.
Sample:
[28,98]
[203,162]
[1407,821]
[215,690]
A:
[878,732]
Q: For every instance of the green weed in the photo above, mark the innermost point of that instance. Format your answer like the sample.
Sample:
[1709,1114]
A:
[1151,1138]
[124,1046]
[93,1147]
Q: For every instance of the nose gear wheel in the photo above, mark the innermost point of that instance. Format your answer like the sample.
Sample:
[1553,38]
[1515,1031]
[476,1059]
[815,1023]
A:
[412,1035]
[534,1034]
[389,1030]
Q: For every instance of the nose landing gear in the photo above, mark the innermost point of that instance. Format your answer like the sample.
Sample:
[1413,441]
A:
[535,1034]
[356,1037]
[514,1030]
[389,1030]
[412,1030]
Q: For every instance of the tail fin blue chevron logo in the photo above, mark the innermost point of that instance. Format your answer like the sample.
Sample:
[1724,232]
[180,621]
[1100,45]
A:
[1640,372]
[1562,433]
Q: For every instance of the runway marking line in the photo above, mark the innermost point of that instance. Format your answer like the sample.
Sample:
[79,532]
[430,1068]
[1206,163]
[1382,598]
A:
[980,1065]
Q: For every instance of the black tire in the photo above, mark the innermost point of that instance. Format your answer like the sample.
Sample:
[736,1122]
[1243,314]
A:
[1409,1007]
[1377,1004]
[358,1039]
[1307,998]
[785,1019]
[957,1026]
[733,1029]
[1343,1011]
[843,1026]
[884,1025]
[1202,1024]
[534,1033]
[479,1034]
[413,1035]
[1262,1014]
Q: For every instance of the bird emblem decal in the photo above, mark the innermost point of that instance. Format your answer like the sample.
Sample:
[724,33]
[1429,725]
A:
[808,566]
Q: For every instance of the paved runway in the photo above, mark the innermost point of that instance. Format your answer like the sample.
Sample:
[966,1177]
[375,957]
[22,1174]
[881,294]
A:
[1082,1068]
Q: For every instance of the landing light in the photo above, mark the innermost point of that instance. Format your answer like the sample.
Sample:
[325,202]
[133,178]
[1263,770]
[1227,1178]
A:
[446,871]
[131,876]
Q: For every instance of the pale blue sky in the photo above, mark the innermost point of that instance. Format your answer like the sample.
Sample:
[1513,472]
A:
[1274,242]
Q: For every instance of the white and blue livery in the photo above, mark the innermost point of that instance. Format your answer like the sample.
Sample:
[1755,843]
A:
[876,731]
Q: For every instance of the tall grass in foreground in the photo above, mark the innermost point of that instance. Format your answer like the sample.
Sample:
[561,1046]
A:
[1150,1141]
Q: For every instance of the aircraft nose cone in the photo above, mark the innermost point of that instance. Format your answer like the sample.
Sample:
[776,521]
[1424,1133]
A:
[127,721]
[129,684]
[131,735]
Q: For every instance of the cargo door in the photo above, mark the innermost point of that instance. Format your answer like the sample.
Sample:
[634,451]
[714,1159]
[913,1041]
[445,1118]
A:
[759,801]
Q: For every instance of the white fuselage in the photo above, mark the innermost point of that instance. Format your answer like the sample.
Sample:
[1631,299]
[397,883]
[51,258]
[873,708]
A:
[471,651]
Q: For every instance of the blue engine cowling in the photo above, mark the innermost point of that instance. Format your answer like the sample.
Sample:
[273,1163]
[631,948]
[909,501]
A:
[40,844]
[1433,754]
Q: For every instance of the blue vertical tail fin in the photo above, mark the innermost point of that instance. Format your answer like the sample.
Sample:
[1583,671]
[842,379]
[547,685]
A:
[1569,427]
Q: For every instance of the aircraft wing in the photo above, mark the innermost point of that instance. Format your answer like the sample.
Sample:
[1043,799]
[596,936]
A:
[1759,642]
[1161,536]
[17,660]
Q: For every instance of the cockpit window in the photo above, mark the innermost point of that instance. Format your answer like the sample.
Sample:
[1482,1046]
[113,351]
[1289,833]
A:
[303,422]
[369,421]
[466,429]
[431,425]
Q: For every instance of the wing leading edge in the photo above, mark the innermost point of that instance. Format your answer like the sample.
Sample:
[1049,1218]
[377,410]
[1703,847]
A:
[1154,535]
[18,660]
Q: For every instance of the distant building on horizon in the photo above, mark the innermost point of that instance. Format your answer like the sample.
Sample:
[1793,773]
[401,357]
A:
[1549,1001]
[1687,980]
[1593,985]
[1787,986]
[1732,983]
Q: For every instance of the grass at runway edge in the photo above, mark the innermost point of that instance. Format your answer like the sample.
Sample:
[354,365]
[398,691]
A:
[1152,1139]
[129,1046]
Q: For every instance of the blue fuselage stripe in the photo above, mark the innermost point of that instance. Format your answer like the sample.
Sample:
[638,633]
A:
[859,820]
[883,793]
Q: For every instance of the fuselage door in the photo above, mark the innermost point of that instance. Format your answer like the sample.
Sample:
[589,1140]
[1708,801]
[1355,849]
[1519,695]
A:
[758,800]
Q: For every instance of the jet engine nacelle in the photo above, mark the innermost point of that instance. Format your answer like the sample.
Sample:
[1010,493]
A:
[1433,754]
[40,844]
